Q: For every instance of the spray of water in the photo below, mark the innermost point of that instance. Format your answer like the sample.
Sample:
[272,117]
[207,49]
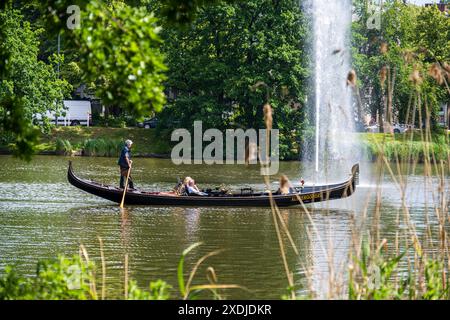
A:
[333,149]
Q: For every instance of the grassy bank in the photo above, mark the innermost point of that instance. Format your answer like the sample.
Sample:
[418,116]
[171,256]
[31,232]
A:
[146,141]
[101,141]
[406,147]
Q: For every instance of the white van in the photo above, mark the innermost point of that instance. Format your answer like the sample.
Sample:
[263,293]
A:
[75,113]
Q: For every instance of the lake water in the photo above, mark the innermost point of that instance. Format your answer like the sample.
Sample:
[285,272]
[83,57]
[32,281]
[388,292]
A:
[42,215]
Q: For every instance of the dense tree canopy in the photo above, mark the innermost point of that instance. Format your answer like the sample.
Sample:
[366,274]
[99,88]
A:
[28,85]
[234,58]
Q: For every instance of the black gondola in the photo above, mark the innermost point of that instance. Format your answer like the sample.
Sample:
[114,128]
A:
[249,198]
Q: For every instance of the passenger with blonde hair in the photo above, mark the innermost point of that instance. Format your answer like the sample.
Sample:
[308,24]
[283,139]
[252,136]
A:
[190,188]
[285,186]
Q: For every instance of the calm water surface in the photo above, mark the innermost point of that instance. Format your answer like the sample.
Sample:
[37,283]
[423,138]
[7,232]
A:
[42,215]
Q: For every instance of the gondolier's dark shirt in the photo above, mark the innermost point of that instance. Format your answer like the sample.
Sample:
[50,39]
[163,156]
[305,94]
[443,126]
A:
[126,153]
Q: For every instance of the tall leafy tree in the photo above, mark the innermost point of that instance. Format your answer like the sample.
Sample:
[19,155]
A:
[28,85]
[118,50]
[398,58]
[235,57]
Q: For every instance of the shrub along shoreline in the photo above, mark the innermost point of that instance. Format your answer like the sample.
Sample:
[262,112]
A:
[149,143]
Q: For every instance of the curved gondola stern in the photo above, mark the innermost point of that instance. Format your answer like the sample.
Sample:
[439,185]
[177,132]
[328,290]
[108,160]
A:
[73,179]
[354,180]
[355,173]
[348,187]
[70,174]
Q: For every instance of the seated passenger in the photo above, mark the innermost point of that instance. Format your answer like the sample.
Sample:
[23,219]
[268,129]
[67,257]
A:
[285,186]
[192,189]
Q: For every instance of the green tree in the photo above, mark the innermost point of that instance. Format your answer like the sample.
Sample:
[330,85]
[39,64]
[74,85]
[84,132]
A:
[28,85]
[119,45]
[411,39]
[117,51]
[235,57]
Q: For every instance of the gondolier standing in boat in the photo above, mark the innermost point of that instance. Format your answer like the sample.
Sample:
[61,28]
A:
[125,165]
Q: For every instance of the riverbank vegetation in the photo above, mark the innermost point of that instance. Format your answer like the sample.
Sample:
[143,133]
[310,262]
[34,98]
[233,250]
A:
[79,278]
[405,147]
[102,141]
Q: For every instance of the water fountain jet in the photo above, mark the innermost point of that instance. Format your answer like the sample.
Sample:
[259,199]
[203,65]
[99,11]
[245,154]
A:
[331,109]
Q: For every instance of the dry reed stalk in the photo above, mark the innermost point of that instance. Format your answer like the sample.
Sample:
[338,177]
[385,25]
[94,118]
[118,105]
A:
[351,78]
[195,268]
[377,211]
[276,214]
[268,120]
[331,275]
[92,284]
[415,77]
[289,275]
[409,235]
[102,256]
[285,228]
[211,275]
[384,48]
[390,95]
[126,276]
[383,76]
[284,184]
[436,73]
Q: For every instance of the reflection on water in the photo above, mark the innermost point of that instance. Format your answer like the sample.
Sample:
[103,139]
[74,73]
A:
[41,216]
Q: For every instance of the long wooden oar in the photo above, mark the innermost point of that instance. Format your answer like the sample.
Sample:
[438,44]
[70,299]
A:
[126,186]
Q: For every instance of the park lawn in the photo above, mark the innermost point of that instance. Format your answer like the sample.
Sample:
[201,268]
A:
[146,141]
[405,146]
[387,137]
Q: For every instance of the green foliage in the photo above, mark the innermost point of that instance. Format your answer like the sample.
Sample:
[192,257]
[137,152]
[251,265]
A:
[373,271]
[180,270]
[415,37]
[372,278]
[74,279]
[6,138]
[67,279]
[63,146]
[120,46]
[235,57]
[102,147]
[27,84]
[405,149]
[185,11]
[63,278]
[72,73]
[436,288]
[25,136]
[117,54]
[12,286]
[122,121]
[158,290]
